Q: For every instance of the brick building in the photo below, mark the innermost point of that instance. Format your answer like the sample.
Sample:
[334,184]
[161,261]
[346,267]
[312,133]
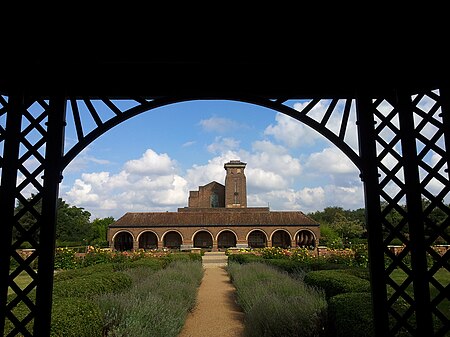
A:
[217,217]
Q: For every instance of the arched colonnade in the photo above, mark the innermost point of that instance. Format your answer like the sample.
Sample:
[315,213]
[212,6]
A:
[213,239]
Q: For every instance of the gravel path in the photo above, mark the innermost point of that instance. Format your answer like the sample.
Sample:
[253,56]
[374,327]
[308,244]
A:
[216,313]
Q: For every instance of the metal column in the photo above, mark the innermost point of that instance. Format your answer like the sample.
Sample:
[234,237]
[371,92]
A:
[52,178]
[369,176]
[415,216]
[9,165]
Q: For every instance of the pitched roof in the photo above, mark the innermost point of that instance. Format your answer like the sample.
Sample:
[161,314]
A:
[218,216]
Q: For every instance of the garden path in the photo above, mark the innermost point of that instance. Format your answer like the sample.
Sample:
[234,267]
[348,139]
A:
[216,312]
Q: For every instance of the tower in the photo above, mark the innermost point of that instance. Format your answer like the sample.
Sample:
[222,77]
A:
[235,184]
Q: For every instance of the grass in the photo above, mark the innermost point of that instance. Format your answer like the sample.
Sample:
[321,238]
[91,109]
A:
[442,276]
[22,280]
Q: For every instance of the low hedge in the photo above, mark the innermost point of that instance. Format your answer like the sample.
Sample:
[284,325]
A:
[245,258]
[335,282]
[350,315]
[68,274]
[93,284]
[76,317]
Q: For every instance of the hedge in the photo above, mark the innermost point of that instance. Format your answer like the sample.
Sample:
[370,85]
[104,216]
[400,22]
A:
[335,282]
[93,284]
[350,315]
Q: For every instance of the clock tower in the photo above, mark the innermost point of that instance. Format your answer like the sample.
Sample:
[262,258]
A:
[235,185]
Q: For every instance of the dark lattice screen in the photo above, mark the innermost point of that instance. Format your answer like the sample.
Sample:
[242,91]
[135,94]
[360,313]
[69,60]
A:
[408,195]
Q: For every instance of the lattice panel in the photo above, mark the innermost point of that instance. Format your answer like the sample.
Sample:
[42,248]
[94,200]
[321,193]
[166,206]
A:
[435,188]
[3,109]
[21,305]
[395,227]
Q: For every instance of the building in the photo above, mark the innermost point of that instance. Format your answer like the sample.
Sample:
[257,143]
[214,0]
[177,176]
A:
[216,218]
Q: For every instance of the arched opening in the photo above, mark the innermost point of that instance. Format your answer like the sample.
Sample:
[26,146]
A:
[123,241]
[172,240]
[148,240]
[305,239]
[281,238]
[203,239]
[257,239]
[226,239]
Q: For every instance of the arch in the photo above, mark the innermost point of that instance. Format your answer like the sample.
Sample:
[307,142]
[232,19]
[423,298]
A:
[141,106]
[202,239]
[226,238]
[305,238]
[257,238]
[378,179]
[281,238]
[148,240]
[123,240]
[172,239]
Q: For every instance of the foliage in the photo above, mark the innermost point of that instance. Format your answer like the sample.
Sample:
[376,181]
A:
[276,304]
[334,282]
[350,315]
[100,231]
[75,317]
[72,223]
[156,305]
[347,229]
[329,237]
[95,283]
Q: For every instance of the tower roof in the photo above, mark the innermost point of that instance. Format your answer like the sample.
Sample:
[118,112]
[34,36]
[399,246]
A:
[234,163]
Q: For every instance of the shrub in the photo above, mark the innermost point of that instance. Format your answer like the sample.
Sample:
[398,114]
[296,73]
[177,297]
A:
[93,284]
[350,315]
[75,317]
[335,282]
[67,274]
[157,303]
[276,304]
[244,258]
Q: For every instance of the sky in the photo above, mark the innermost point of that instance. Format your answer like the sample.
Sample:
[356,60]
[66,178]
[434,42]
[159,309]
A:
[151,161]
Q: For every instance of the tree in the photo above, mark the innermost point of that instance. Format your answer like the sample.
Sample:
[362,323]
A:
[100,231]
[72,223]
[347,229]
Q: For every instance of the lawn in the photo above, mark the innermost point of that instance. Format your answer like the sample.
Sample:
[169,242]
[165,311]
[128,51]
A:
[442,276]
[22,281]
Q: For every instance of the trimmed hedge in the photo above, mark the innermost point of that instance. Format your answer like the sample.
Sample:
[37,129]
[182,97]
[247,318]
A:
[245,258]
[335,282]
[68,274]
[76,317]
[93,284]
[350,315]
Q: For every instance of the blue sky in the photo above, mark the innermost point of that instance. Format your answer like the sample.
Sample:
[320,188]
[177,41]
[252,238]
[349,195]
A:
[153,160]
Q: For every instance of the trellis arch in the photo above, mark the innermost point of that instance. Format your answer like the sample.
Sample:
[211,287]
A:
[402,155]
[115,116]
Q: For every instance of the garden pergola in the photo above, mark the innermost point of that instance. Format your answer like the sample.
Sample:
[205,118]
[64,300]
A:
[403,129]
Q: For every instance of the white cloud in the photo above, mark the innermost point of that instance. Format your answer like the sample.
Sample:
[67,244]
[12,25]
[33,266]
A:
[292,132]
[219,124]
[190,143]
[82,161]
[150,163]
[223,144]
[144,184]
[330,161]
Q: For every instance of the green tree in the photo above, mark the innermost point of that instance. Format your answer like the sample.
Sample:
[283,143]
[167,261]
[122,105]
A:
[328,214]
[347,229]
[72,223]
[329,237]
[100,231]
